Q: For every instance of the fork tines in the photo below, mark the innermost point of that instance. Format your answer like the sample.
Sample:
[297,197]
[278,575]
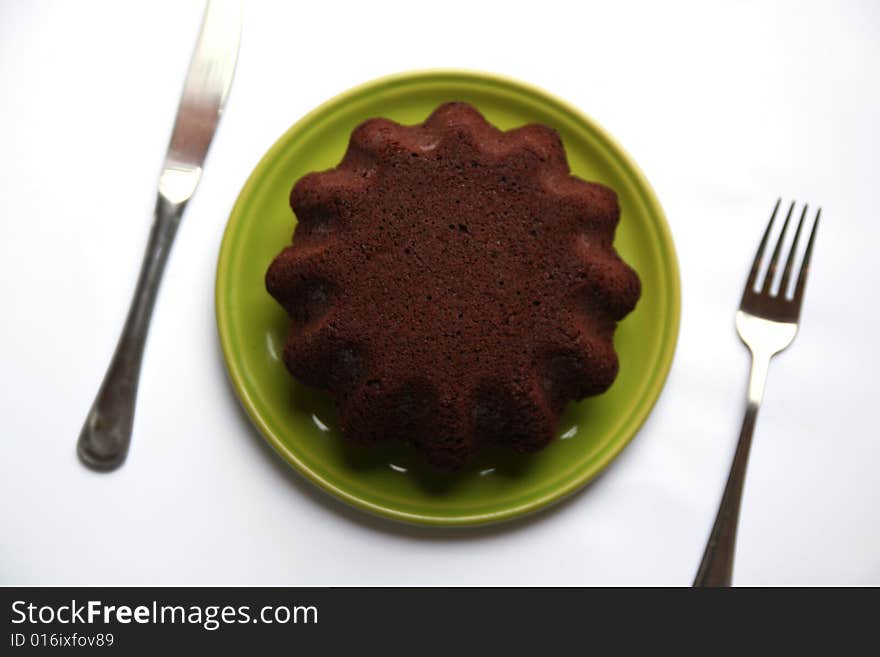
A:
[752,294]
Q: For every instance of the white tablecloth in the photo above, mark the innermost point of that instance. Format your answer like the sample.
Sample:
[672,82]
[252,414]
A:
[724,106]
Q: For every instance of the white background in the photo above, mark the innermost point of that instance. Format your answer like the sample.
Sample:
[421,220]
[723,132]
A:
[724,106]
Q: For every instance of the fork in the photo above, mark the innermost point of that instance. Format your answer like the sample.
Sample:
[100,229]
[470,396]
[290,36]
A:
[767,322]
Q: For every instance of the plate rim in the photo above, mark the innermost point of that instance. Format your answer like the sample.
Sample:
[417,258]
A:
[635,420]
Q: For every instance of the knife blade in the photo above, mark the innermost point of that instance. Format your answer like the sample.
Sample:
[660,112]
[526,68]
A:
[106,434]
[203,99]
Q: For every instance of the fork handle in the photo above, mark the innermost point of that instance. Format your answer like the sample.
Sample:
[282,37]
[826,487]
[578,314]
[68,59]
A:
[716,568]
[106,434]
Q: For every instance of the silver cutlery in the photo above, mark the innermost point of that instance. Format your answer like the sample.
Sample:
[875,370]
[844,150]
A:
[106,435]
[767,322]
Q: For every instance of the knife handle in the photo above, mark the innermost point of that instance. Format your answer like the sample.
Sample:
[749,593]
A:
[105,436]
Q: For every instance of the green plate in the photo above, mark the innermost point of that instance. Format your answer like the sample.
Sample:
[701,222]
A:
[391,480]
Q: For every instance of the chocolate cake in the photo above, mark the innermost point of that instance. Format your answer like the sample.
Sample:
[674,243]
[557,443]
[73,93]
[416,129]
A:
[452,285]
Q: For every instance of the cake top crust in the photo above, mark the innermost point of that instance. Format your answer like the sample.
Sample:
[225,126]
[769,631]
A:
[453,285]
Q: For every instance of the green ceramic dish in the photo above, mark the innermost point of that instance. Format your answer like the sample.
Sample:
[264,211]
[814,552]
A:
[391,480]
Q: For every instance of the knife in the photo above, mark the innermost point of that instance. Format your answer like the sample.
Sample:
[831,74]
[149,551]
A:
[106,435]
